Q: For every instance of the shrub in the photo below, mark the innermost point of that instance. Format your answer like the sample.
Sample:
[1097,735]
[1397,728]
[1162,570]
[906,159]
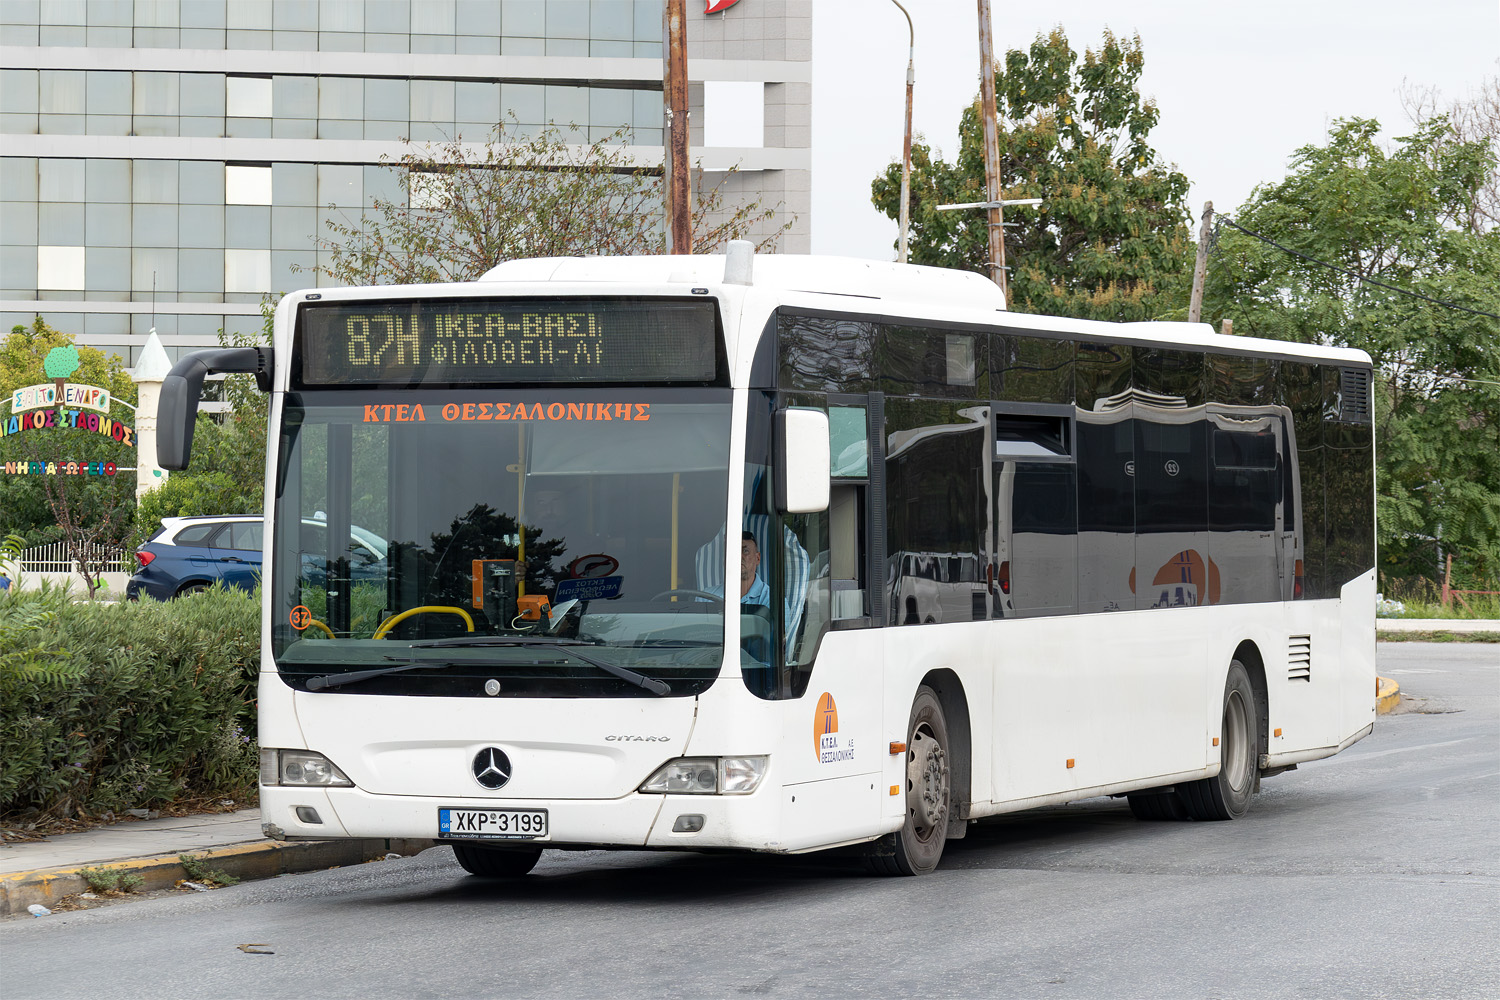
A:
[109,707]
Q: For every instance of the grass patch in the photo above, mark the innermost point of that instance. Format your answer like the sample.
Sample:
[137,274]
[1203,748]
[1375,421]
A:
[198,871]
[1436,636]
[111,880]
[1424,599]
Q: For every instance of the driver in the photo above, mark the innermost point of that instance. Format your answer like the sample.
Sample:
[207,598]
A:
[755,596]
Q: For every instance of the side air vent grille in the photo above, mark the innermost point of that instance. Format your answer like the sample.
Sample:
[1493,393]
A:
[1354,395]
[1299,658]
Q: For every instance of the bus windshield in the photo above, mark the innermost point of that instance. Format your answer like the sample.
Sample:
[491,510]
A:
[488,541]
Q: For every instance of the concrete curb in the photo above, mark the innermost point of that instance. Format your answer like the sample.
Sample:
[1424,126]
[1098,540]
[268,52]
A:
[248,862]
[1387,695]
[1436,625]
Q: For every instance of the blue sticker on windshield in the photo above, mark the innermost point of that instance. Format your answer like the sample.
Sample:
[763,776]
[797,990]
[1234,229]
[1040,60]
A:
[598,588]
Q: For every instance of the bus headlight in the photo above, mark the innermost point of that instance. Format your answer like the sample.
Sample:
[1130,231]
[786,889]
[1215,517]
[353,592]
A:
[300,768]
[708,776]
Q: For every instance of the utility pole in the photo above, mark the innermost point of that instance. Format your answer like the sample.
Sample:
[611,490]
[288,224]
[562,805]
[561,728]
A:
[991,147]
[1200,268]
[911,55]
[679,203]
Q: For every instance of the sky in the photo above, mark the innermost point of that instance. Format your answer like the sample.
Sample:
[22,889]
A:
[1240,85]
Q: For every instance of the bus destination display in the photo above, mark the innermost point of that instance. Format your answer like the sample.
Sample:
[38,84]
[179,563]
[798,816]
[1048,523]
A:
[437,341]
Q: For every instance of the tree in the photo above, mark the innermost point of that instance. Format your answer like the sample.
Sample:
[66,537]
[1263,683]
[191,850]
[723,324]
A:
[1475,118]
[1402,217]
[1111,240]
[520,196]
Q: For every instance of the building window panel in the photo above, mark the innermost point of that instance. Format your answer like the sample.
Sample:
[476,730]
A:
[610,108]
[18,224]
[256,15]
[19,91]
[62,91]
[567,47]
[734,114]
[248,97]
[247,271]
[341,41]
[432,101]
[63,36]
[60,180]
[106,125]
[294,41]
[73,12]
[334,128]
[200,226]
[433,44]
[17,273]
[292,228]
[202,94]
[388,100]
[248,128]
[380,183]
[387,130]
[567,105]
[156,94]
[156,38]
[153,270]
[60,268]
[203,14]
[20,35]
[388,16]
[611,20]
[526,103]
[247,185]
[476,45]
[294,128]
[294,97]
[476,102]
[201,127]
[201,38]
[387,43]
[247,227]
[107,180]
[107,269]
[18,124]
[648,21]
[432,17]
[60,223]
[108,225]
[18,180]
[523,46]
[256,40]
[154,182]
[156,13]
[116,13]
[201,271]
[108,37]
[341,97]
[341,15]
[152,226]
[528,18]
[294,184]
[568,19]
[477,18]
[294,15]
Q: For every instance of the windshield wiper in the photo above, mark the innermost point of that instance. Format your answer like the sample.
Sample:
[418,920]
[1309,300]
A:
[552,642]
[355,676]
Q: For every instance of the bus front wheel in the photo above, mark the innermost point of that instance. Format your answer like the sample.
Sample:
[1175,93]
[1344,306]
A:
[918,846]
[492,862]
[1227,794]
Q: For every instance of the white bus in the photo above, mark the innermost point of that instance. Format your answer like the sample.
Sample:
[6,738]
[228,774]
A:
[985,561]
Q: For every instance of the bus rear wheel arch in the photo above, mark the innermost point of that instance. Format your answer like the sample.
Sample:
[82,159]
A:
[1227,794]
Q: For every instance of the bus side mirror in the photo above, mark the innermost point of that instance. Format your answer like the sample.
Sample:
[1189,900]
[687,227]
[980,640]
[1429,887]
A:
[801,460]
[177,413]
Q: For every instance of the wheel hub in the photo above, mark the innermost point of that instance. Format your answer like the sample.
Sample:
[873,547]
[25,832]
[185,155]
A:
[927,781]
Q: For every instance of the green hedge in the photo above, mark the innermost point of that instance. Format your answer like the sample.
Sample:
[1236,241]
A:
[106,707]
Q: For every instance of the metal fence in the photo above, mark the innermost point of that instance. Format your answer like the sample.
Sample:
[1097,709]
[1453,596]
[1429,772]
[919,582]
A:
[55,558]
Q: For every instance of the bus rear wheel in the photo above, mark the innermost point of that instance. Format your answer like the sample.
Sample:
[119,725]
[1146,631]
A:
[494,862]
[918,846]
[1227,794]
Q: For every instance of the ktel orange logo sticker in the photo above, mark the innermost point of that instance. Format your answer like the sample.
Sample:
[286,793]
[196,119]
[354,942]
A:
[714,6]
[826,733]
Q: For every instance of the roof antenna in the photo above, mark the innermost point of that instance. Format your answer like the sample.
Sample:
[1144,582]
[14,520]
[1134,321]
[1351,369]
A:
[739,263]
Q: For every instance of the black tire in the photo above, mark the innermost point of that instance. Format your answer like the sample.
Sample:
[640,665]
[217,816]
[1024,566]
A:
[496,862]
[189,589]
[1157,806]
[1227,794]
[918,846]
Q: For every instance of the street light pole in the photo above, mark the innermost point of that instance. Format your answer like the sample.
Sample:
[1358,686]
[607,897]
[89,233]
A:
[991,147]
[911,53]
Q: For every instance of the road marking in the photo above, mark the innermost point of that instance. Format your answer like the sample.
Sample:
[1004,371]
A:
[1425,746]
[1416,670]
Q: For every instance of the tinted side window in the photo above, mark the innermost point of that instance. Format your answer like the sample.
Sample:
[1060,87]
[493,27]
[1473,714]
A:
[1031,369]
[827,355]
[1302,395]
[932,361]
[197,534]
[245,535]
[937,500]
[1350,512]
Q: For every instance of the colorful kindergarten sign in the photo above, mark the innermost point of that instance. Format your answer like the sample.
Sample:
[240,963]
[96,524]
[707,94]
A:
[34,397]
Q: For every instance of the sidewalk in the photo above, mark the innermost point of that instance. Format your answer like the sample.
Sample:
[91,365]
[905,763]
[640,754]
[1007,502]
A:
[1436,625]
[46,871]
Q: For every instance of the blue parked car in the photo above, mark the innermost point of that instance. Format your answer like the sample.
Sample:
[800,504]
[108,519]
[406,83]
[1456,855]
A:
[190,554]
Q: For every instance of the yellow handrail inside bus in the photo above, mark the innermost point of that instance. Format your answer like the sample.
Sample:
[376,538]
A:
[394,620]
[325,628]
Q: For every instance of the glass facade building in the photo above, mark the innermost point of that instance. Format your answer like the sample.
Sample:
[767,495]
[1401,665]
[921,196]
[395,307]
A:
[169,163]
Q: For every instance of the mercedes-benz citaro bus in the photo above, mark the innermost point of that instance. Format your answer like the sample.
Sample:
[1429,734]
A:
[784,554]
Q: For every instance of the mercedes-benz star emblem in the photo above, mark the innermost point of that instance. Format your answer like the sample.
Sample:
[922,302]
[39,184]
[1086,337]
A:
[491,767]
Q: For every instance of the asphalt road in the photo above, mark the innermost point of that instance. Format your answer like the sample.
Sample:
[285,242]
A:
[1374,874]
